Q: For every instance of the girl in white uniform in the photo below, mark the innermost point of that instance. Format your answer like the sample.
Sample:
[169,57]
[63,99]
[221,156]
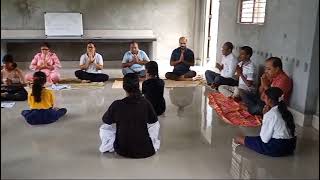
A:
[277,135]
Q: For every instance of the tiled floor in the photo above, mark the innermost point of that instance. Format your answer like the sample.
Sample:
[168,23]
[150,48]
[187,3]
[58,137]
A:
[194,143]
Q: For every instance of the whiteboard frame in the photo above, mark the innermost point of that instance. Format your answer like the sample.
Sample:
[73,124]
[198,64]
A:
[82,30]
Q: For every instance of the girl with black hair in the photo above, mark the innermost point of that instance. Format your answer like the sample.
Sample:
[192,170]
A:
[12,81]
[41,102]
[277,135]
[153,87]
[137,126]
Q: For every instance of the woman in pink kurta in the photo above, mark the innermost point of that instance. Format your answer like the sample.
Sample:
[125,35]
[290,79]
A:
[47,62]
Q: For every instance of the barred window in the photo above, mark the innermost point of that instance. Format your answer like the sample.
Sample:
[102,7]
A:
[252,11]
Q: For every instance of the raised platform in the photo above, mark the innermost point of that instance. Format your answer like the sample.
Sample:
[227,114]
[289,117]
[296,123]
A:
[96,35]
[111,44]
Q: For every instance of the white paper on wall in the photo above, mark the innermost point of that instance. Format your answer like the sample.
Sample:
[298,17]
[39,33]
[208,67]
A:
[63,24]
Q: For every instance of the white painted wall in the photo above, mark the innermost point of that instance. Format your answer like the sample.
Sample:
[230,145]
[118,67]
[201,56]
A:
[288,32]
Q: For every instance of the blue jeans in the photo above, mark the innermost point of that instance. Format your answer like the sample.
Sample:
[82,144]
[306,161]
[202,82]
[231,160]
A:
[216,78]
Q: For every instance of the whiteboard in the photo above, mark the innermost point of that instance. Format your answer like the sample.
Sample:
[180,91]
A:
[63,24]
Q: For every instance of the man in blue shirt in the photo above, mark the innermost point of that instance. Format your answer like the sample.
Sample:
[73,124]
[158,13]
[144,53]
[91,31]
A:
[181,59]
[134,60]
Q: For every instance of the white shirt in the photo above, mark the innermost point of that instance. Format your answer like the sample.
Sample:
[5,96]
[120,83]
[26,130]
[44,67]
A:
[229,65]
[273,126]
[248,73]
[92,67]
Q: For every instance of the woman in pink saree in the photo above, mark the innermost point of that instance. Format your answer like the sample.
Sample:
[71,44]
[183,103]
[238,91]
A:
[47,62]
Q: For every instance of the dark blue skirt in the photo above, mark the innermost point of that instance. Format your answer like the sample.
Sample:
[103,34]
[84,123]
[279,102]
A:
[43,116]
[274,148]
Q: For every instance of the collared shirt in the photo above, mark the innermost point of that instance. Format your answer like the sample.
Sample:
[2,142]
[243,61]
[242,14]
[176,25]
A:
[229,65]
[273,126]
[128,57]
[52,61]
[283,82]
[188,57]
[47,100]
[92,67]
[248,73]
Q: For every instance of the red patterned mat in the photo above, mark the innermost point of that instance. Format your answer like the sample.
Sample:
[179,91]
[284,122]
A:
[232,112]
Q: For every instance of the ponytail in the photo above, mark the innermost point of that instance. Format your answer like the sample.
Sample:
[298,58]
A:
[287,117]
[39,79]
[276,96]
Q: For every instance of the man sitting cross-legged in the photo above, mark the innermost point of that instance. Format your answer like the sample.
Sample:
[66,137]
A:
[181,59]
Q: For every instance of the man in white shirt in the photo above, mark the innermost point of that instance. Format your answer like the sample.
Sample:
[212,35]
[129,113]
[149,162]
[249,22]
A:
[245,72]
[227,68]
[134,61]
[91,64]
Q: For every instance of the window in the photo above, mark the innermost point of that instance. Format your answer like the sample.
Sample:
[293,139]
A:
[252,11]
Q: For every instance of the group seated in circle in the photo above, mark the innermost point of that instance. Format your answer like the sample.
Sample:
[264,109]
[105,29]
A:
[235,80]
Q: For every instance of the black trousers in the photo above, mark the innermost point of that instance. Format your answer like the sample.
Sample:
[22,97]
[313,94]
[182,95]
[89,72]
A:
[14,93]
[175,76]
[93,77]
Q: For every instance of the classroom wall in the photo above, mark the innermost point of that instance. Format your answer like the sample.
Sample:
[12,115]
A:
[169,19]
[289,33]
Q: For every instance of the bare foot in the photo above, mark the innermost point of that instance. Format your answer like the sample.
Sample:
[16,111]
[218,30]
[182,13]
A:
[198,77]
[214,86]
[182,78]
[239,140]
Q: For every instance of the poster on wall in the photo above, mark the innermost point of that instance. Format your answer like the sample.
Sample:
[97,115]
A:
[63,24]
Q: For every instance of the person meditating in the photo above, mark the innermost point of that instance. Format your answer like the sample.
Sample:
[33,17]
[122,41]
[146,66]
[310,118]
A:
[277,135]
[12,81]
[42,103]
[181,59]
[137,126]
[274,76]
[134,61]
[227,69]
[153,88]
[91,65]
[245,71]
[47,62]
